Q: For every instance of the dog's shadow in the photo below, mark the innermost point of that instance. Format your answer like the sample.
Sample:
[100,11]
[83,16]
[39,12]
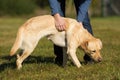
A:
[10,62]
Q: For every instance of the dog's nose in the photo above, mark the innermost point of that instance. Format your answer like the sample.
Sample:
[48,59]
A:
[99,59]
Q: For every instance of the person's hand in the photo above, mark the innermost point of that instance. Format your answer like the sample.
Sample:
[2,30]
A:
[59,22]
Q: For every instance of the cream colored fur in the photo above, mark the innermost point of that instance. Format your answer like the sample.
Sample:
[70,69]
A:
[73,37]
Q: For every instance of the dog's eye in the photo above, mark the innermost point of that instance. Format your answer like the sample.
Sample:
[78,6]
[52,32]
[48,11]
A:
[94,51]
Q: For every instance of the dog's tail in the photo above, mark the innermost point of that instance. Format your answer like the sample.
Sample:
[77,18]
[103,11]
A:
[18,42]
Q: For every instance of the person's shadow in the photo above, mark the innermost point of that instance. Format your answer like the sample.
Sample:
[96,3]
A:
[10,62]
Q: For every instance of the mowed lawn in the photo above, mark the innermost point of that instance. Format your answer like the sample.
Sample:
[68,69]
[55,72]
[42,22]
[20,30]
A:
[40,65]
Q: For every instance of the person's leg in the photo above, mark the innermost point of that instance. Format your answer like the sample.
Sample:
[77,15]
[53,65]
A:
[87,25]
[58,51]
[83,16]
[61,56]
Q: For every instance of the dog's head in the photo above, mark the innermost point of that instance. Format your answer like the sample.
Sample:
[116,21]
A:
[92,48]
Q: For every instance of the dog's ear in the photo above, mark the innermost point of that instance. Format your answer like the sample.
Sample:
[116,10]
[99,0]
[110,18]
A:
[100,43]
[84,45]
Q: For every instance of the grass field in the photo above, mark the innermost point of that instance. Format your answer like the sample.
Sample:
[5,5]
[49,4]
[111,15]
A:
[40,65]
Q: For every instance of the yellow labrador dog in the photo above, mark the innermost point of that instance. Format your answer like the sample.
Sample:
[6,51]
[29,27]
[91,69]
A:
[73,37]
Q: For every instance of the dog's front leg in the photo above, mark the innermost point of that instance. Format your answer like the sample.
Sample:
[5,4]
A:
[72,52]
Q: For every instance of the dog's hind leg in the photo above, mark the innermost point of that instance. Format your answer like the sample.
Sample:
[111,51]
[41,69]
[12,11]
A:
[21,58]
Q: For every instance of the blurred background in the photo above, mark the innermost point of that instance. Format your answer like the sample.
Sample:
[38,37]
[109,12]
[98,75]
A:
[99,8]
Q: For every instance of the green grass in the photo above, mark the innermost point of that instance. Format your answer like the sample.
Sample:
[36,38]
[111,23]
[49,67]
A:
[40,65]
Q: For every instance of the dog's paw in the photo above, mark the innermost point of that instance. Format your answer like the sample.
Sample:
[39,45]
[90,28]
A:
[78,65]
[19,65]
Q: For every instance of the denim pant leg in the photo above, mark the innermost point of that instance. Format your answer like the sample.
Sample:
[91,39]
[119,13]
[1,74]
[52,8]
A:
[86,24]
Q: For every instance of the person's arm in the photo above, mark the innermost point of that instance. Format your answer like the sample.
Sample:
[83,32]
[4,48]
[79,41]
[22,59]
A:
[83,9]
[54,5]
[55,11]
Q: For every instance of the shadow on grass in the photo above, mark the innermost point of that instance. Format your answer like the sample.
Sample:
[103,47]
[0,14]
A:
[7,63]
[11,61]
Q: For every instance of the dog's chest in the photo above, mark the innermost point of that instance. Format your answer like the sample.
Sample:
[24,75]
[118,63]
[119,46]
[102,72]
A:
[58,39]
